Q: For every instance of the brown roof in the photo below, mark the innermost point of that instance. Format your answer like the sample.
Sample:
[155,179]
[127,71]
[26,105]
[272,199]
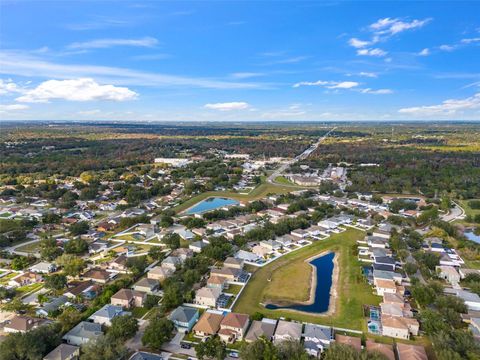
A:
[127,294]
[98,274]
[214,279]
[209,323]
[384,349]
[385,283]
[354,342]
[393,298]
[235,320]
[23,323]
[77,288]
[411,352]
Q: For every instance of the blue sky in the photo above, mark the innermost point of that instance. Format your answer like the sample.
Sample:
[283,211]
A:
[233,61]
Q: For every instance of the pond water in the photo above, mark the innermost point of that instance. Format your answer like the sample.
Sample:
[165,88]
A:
[470,235]
[324,267]
[211,203]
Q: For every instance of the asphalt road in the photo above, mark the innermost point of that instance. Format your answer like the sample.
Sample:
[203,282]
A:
[280,170]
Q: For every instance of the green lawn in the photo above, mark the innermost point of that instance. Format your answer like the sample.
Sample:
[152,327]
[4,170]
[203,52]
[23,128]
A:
[259,192]
[233,289]
[138,312]
[22,290]
[30,248]
[283,180]
[353,289]
[468,209]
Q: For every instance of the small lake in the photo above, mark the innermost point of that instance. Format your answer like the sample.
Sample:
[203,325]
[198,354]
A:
[470,235]
[211,203]
[324,267]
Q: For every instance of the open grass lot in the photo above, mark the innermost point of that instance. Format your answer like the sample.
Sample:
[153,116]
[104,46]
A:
[468,209]
[233,289]
[290,283]
[353,290]
[260,191]
[30,248]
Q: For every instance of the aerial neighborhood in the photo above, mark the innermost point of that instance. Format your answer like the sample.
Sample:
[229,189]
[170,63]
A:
[215,254]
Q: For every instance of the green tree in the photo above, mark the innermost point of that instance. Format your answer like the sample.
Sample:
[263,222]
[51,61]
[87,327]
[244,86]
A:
[76,246]
[56,281]
[157,332]
[49,249]
[260,349]
[19,263]
[79,228]
[123,327]
[212,348]
[72,265]
[69,318]
[172,240]
[103,348]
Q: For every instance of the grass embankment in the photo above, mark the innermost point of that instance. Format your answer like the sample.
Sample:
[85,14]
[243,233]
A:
[259,192]
[467,208]
[352,288]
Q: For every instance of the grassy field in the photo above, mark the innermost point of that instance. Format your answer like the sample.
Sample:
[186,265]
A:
[289,283]
[30,248]
[353,290]
[468,209]
[259,192]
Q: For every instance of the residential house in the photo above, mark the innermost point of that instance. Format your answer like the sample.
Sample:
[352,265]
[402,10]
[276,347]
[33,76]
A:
[411,352]
[142,355]
[265,327]
[197,246]
[64,352]
[471,299]
[51,306]
[184,317]
[128,298]
[271,245]
[233,327]
[384,349]
[399,327]
[259,251]
[85,289]
[43,267]
[82,333]
[287,330]
[209,324]
[448,273]
[231,274]
[105,315]
[159,273]
[22,324]
[206,296]
[119,263]
[215,281]
[354,342]
[183,254]
[27,278]
[385,262]
[317,338]
[97,275]
[146,285]
[385,286]
[171,263]
[247,256]
[233,263]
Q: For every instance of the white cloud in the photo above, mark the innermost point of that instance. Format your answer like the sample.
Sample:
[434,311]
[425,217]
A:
[108,43]
[227,106]
[371,52]
[376,92]
[447,47]
[328,84]
[367,74]
[447,107]
[388,26]
[471,40]
[245,75]
[9,87]
[424,52]
[356,43]
[82,89]
[21,64]
[10,107]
